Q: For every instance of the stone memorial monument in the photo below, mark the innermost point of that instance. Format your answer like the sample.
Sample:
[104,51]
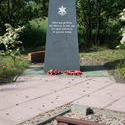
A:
[62,40]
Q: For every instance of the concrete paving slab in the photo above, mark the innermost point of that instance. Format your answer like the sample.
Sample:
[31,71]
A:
[104,98]
[96,100]
[24,78]
[35,93]
[29,109]
[31,90]
[4,121]
[118,105]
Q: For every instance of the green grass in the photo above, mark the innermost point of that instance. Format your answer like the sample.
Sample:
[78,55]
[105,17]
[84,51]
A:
[113,60]
[121,70]
[105,55]
[10,71]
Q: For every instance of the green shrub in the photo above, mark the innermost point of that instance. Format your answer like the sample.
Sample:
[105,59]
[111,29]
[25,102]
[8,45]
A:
[8,70]
[122,42]
[35,33]
[10,41]
[121,70]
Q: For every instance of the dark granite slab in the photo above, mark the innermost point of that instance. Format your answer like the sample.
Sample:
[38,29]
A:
[62,40]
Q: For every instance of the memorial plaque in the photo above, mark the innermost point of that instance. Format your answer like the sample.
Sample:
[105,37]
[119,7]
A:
[62,39]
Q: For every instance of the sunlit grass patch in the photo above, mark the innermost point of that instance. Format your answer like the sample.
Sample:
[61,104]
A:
[112,59]
[121,70]
[8,70]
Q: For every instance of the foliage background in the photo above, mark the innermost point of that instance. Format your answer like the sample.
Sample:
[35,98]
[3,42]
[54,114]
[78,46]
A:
[98,21]
[99,26]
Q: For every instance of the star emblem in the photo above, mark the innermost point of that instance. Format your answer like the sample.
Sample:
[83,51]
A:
[62,11]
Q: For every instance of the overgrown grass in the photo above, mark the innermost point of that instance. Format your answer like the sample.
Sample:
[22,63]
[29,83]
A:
[104,54]
[112,59]
[121,70]
[8,70]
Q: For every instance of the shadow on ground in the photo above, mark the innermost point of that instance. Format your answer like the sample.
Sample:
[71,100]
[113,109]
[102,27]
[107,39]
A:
[112,65]
[92,68]
[107,66]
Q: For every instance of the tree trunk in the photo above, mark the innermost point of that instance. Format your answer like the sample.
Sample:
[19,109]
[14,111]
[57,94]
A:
[89,24]
[1,1]
[44,7]
[97,36]
[9,15]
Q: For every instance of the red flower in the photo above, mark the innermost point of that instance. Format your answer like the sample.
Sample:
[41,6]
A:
[3,67]
[73,72]
[53,72]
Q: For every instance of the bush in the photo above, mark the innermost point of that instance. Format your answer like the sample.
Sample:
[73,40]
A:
[34,34]
[122,43]
[10,41]
[8,70]
[121,69]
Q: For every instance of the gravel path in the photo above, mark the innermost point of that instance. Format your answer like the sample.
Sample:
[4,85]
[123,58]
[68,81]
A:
[97,117]
[45,115]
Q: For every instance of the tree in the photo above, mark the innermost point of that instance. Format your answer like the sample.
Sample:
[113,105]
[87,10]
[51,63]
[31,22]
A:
[10,41]
[98,27]
[98,21]
[85,19]
[20,12]
[9,18]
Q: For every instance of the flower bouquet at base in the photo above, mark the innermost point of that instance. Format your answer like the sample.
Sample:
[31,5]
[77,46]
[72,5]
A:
[54,72]
[73,72]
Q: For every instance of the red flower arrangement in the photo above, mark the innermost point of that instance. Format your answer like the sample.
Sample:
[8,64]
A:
[73,72]
[58,72]
[3,67]
[54,72]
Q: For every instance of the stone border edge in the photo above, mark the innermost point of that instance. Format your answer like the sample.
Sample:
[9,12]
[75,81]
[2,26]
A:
[48,119]
[76,107]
